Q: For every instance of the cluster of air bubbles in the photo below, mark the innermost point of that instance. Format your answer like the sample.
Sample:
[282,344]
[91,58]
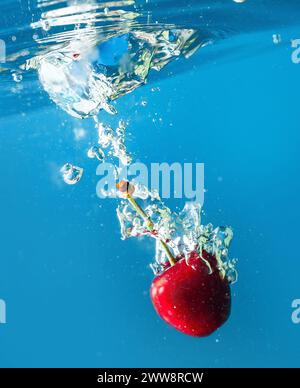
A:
[105,135]
[71,174]
[115,140]
[118,144]
[131,224]
[182,232]
[110,144]
[141,191]
[216,241]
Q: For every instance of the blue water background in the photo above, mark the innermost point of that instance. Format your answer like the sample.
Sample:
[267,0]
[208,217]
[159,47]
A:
[78,296]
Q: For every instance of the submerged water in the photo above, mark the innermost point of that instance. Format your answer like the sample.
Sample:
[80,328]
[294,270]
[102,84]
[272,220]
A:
[76,294]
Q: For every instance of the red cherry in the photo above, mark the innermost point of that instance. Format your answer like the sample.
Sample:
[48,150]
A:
[190,297]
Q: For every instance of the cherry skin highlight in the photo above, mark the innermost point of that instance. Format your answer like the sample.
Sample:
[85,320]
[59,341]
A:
[190,297]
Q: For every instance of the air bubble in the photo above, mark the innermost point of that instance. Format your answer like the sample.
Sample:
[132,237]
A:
[96,152]
[71,174]
[45,25]
[17,77]
[276,38]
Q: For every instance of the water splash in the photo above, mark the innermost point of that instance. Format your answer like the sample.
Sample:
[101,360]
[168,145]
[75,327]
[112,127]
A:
[182,232]
[82,78]
[74,85]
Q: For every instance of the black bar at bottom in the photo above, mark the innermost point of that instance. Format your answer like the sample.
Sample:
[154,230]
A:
[131,376]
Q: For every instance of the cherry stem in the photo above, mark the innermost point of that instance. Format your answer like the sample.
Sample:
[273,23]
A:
[150,226]
[170,257]
[140,211]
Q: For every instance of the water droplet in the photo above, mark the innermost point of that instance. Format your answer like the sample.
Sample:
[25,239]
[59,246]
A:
[71,174]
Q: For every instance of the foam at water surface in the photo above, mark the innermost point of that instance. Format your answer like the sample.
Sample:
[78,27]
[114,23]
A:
[78,80]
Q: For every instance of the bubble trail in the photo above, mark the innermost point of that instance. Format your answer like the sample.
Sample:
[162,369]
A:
[82,81]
